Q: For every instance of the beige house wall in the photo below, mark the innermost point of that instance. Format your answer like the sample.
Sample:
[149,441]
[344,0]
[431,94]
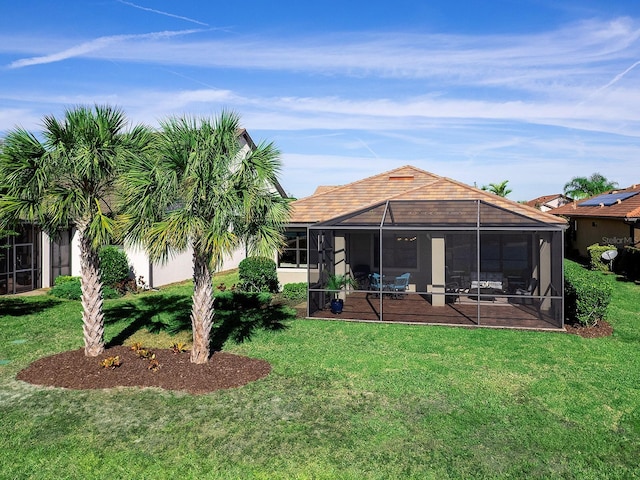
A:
[602,231]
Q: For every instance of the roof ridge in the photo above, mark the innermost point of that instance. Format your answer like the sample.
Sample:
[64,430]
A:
[417,187]
[370,178]
[492,197]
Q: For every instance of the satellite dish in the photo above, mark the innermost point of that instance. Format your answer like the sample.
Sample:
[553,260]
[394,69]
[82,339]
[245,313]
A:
[609,255]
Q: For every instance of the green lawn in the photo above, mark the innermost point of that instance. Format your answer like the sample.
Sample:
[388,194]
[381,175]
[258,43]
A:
[344,400]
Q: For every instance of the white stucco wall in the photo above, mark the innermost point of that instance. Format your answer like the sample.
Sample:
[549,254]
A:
[45,255]
[177,269]
[139,262]
[291,275]
[75,254]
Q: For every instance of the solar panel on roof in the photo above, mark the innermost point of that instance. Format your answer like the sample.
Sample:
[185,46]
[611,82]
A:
[607,199]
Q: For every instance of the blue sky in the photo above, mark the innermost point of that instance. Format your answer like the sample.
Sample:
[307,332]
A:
[530,91]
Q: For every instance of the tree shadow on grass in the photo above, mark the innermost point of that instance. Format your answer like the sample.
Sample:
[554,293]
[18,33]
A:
[157,313]
[237,316]
[240,314]
[18,307]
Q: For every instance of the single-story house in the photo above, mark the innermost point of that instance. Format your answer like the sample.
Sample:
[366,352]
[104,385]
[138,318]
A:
[34,260]
[610,218]
[549,202]
[426,249]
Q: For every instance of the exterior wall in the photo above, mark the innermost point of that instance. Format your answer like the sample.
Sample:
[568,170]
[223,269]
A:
[46,261]
[139,263]
[177,269]
[75,254]
[291,275]
[555,203]
[599,230]
[232,261]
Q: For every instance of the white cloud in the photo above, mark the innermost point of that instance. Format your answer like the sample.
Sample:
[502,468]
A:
[96,46]
[160,12]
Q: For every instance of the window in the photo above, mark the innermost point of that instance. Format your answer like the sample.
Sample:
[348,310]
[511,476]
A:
[400,250]
[294,255]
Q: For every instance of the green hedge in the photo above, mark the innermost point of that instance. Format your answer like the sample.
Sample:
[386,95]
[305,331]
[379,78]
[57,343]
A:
[628,262]
[70,288]
[295,291]
[587,294]
[66,287]
[595,257]
[258,274]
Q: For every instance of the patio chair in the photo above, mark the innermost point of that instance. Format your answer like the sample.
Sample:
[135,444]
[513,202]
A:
[375,283]
[399,286]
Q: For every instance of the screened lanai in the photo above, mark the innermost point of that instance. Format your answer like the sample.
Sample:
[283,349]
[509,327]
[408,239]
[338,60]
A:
[457,262]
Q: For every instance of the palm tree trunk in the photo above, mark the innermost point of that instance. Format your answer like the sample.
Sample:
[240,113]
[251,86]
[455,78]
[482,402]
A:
[202,308]
[92,314]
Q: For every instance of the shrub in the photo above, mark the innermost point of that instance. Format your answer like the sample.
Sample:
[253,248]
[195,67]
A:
[67,287]
[587,295]
[70,288]
[109,292]
[595,257]
[628,262]
[295,291]
[258,274]
[114,266]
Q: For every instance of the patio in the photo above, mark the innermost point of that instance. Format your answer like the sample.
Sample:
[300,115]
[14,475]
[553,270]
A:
[415,308]
[463,262]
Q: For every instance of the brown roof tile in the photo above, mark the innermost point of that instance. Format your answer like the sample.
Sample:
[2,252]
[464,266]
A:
[404,183]
[545,199]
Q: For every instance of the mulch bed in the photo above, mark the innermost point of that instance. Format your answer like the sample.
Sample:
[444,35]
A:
[74,370]
[601,329]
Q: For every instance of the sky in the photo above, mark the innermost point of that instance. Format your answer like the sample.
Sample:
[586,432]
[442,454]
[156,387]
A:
[535,92]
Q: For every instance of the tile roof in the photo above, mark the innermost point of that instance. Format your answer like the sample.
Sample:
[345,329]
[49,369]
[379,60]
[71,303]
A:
[627,208]
[544,199]
[404,183]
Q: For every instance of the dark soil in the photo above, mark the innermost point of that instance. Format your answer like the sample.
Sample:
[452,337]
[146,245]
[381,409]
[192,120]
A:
[601,329]
[175,371]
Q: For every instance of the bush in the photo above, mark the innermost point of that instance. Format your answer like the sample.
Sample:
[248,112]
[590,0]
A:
[628,262]
[67,287]
[70,288]
[295,291]
[114,266]
[587,295]
[258,274]
[110,292]
[595,257]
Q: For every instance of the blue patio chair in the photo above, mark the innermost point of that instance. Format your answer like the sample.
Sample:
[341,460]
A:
[400,285]
[375,282]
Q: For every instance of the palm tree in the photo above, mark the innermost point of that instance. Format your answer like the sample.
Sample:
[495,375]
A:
[584,187]
[499,189]
[202,191]
[67,180]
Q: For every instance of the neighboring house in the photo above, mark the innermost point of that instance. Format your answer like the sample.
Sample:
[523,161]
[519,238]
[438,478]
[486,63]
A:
[34,260]
[549,202]
[611,218]
[472,257]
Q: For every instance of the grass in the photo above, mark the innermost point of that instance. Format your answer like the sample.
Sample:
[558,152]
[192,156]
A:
[344,400]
